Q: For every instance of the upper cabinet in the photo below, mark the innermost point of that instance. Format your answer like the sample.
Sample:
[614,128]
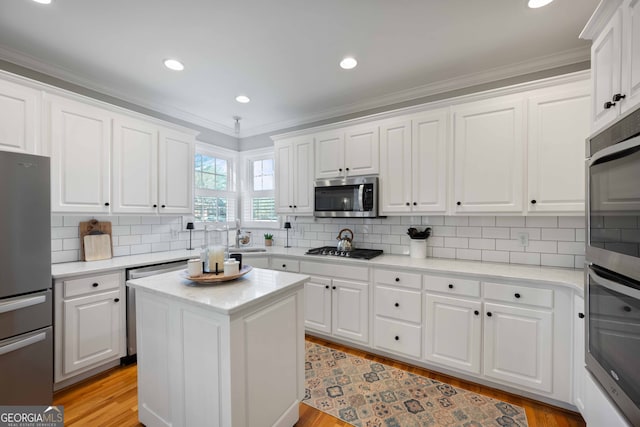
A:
[558,126]
[80,141]
[294,176]
[19,118]
[175,172]
[413,163]
[353,151]
[615,60]
[488,156]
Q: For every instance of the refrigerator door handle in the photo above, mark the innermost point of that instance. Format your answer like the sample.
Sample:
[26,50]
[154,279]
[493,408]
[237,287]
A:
[17,304]
[23,343]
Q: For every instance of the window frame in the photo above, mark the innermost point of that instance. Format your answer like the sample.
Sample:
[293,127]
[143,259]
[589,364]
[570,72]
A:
[231,194]
[248,194]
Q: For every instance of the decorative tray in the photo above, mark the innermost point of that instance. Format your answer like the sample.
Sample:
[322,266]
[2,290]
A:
[208,278]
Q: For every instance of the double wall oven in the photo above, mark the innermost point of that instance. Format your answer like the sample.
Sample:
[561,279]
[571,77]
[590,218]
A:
[613,262]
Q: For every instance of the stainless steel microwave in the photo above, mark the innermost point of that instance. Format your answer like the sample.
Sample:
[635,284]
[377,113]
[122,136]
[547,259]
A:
[349,197]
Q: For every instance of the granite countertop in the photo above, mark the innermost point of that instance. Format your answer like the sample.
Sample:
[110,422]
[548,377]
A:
[224,297]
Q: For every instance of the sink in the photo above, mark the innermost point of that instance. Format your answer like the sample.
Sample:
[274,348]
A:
[245,250]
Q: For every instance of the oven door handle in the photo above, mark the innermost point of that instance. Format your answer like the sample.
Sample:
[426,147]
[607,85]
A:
[361,196]
[614,286]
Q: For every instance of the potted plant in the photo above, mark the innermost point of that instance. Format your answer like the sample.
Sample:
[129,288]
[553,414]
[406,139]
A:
[268,239]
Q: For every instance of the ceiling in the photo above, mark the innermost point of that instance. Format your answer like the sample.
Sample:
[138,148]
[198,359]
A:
[284,54]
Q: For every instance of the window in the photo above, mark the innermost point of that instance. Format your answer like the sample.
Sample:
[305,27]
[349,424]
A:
[259,207]
[215,198]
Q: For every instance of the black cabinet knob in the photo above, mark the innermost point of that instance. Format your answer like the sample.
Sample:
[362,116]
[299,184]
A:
[534,201]
[458,203]
[95,285]
[340,170]
[618,96]
[626,308]
[415,204]
[326,286]
[106,204]
[408,204]
[476,312]
[450,286]
[489,314]
[334,287]
[397,304]
[347,169]
[155,206]
[284,265]
[163,206]
[295,206]
[290,206]
[397,338]
[608,105]
[397,279]
[116,300]
[517,295]
[581,315]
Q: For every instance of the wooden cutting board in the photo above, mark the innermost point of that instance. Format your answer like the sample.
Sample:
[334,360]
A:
[95,240]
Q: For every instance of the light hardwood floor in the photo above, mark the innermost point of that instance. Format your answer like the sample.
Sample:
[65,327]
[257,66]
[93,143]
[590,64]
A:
[110,399]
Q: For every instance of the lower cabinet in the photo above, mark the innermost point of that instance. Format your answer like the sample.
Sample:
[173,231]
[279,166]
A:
[579,372]
[89,323]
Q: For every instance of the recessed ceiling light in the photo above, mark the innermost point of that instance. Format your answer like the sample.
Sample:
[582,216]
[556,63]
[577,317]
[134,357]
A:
[243,99]
[173,64]
[348,63]
[534,4]
[43,1]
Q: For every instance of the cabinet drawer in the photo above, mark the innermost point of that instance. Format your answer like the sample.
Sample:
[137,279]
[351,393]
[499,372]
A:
[397,337]
[398,304]
[91,284]
[285,264]
[519,294]
[452,286]
[409,280]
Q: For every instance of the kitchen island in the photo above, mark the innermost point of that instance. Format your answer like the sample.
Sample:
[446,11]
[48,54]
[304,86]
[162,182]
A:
[229,354]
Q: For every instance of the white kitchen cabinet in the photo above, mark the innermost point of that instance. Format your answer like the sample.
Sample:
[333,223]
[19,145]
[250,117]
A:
[19,118]
[397,319]
[630,55]
[453,332]
[558,125]
[413,165]
[294,176]
[80,140]
[578,353]
[488,156]
[89,323]
[353,151]
[175,172]
[135,166]
[317,309]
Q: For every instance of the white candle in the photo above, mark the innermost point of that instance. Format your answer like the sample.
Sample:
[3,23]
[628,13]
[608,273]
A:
[231,267]
[216,255]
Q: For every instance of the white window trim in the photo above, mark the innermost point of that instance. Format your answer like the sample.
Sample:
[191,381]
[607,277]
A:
[246,194]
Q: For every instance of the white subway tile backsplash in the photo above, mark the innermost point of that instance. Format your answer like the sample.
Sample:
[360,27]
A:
[524,258]
[571,222]
[121,230]
[580,234]
[456,242]
[620,222]
[121,251]
[482,244]
[433,241]
[469,254]
[541,221]
[432,220]
[64,232]
[458,221]
[509,245]
[495,256]
[442,230]
[64,256]
[553,260]
[573,248]
[559,234]
[496,232]
[160,247]
[469,232]
[579,262]
[56,245]
[135,220]
[482,221]
[160,229]
[140,249]
[70,244]
[444,253]
[534,233]
[134,239]
[510,221]
[542,246]
[57,221]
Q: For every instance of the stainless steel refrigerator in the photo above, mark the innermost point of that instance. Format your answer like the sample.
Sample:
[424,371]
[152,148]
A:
[26,332]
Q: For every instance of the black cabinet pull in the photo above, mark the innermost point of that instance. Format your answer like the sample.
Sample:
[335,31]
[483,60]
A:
[517,295]
[458,203]
[581,315]
[489,314]
[608,105]
[326,286]
[627,308]
[397,304]
[476,312]
[340,170]
[534,201]
[334,287]
[408,204]
[347,169]
[295,206]
[116,300]
[397,279]
[284,265]
[618,96]
[106,204]
[163,206]
[95,285]
[155,206]
[415,204]
[290,206]
[397,338]
[450,286]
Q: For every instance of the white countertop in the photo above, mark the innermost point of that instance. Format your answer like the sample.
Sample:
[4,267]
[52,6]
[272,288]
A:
[224,297]
[560,276]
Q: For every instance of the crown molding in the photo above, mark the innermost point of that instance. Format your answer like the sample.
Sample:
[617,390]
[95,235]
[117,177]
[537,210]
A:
[599,19]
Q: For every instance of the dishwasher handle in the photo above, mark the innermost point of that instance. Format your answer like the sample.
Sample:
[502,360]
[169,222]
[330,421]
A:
[139,273]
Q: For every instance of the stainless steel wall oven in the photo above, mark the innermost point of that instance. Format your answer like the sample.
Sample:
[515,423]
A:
[613,262]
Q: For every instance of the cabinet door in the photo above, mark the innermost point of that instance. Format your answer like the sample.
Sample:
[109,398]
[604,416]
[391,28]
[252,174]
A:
[19,117]
[395,170]
[453,332]
[329,155]
[578,353]
[518,346]
[559,123]
[362,151]
[429,162]
[350,317]
[606,53]
[631,55]
[135,166]
[302,180]
[80,157]
[488,156]
[317,304]
[93,327]
[284,172]
[175,172]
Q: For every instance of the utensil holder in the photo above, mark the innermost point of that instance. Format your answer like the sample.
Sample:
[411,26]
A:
[418,248]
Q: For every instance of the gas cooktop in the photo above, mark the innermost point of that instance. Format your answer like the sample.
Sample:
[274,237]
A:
[353,253]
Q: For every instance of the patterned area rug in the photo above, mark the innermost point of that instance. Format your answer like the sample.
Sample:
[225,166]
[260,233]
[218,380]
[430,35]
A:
[370,394]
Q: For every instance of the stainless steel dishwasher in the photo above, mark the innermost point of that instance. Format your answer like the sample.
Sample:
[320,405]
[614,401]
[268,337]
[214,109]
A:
[138,273]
